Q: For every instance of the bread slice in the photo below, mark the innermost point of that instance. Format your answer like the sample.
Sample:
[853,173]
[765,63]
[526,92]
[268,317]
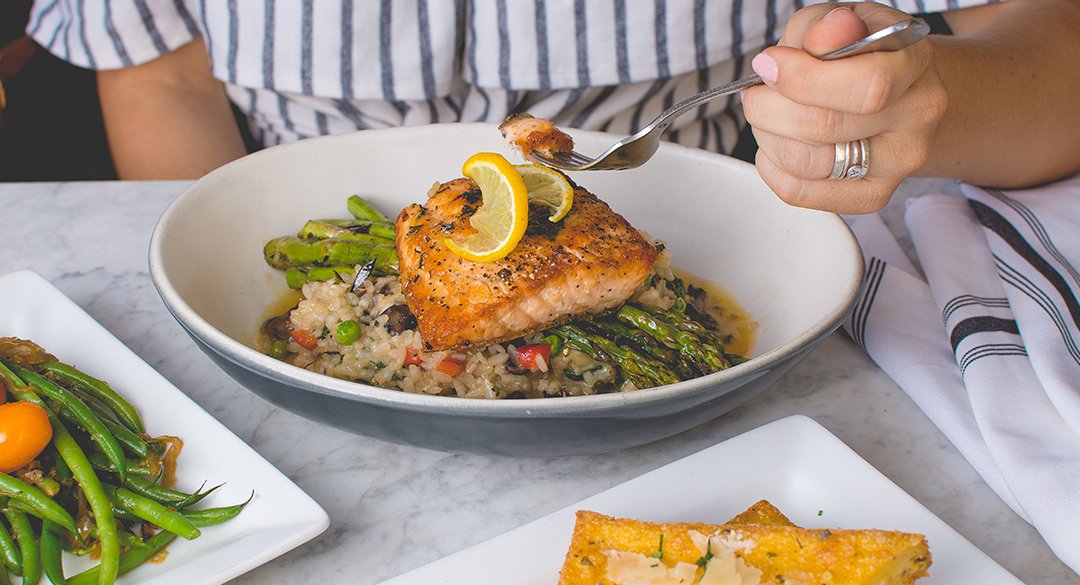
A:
[763,540]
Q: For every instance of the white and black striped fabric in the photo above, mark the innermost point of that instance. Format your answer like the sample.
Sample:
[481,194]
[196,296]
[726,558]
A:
[300,68]
[987,344]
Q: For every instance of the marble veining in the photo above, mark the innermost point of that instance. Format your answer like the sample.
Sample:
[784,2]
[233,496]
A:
[394,508]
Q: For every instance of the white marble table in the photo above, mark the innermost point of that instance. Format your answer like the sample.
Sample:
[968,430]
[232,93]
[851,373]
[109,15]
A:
[394,508]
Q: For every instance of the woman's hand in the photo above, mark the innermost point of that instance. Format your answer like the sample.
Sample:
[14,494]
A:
[895,100]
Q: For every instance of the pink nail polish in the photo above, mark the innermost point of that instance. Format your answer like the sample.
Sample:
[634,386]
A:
[765,66]
[833,13]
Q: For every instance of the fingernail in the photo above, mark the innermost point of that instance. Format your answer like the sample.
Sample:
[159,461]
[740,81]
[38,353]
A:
[834,11]
[765,66]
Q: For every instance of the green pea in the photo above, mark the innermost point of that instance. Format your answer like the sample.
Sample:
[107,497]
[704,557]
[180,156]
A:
[279,349]
[347,332]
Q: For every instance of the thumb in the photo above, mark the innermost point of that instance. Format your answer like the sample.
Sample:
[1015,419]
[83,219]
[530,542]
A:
[836,29]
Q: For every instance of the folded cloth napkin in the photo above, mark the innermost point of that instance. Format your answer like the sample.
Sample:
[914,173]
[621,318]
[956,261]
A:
[988,344]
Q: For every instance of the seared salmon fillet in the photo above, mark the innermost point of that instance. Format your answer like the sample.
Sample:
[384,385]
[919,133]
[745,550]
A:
[589,262]
[527,134]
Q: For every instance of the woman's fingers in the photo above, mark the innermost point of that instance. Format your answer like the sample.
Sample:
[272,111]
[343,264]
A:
[863,196]
[863,84]
[918,109]
[890,156]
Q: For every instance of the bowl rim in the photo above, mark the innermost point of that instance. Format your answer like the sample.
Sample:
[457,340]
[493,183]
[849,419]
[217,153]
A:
[266,366]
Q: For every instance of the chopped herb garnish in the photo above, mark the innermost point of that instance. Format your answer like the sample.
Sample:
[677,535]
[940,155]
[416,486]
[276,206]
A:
[703,562]
[819,512]
[797,542]
[325,332]
[659,554]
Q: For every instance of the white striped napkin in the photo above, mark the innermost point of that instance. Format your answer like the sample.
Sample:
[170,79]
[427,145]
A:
[988,344]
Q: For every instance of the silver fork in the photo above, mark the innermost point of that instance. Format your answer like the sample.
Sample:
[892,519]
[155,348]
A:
[635,150]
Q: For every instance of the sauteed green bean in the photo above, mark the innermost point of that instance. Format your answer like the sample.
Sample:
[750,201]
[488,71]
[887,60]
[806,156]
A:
[100,485]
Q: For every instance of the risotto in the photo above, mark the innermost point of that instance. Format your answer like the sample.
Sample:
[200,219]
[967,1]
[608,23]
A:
[387,350]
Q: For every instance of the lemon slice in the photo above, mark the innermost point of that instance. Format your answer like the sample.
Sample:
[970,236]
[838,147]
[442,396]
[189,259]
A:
[548,187]
[503,215]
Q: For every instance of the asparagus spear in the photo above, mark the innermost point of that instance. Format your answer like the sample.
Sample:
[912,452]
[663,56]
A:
[687,322]
[361,209]
[648,345]
[289,252]
[356,229]
[642,371]
[705,357]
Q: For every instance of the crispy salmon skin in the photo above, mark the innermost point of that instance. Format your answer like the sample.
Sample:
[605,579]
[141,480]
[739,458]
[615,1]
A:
[589,262]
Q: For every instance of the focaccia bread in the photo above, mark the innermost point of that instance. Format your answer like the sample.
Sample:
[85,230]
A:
[758,546]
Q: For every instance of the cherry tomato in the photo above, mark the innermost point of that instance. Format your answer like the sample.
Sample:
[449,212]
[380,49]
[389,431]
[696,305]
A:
[412,357]
[306,339]
[529,356]
[24,433]
[451,366]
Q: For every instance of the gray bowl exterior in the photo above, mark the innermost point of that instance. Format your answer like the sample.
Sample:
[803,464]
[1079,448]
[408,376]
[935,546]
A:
[453,426]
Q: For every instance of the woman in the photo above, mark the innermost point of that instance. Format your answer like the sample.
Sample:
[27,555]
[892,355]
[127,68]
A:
[950,105]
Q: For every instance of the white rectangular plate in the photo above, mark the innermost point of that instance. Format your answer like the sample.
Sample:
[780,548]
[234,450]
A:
[280,516]
[809,474]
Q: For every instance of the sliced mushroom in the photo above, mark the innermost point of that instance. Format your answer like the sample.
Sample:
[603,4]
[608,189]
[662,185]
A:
[398,319]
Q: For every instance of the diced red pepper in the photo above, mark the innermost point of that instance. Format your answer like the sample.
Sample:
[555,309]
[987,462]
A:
[306,339]
[412,357]
[451,366]
[530,356]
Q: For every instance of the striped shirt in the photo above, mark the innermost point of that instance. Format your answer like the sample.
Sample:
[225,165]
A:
[301,68]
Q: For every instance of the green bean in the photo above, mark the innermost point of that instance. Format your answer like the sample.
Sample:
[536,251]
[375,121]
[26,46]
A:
[24,535]
[98,432]
[98,389]
[128,561]
[51,549]
[102,463]
[158,493]
[153,512]
[132,442]
[43,506]
[50,486]
[128,540]
[212,516]
[84,475]
[361,209]
[5,579]
[9,551]
[61,468]
[123,514]
[197,497]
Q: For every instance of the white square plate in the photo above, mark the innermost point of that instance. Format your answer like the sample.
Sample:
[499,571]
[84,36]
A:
[279,518]
[809,474]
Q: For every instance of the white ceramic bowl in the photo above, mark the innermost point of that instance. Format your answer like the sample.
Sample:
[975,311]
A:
[798,272]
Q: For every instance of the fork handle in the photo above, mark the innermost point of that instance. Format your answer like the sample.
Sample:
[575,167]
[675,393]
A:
[890,38]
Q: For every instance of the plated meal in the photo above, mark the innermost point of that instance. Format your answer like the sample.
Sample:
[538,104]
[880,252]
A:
[760,545]
[512,282]
[80,474]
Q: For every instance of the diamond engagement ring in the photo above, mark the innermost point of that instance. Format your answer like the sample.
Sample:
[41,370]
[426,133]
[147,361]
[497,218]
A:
[852,160]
